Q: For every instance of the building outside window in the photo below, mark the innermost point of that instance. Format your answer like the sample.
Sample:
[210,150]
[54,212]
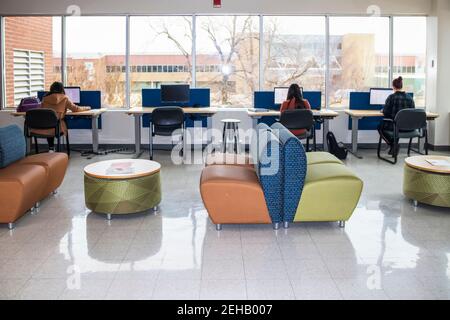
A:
[410,55]
[359,48]
[232,42]
[92,44]
[32,56]
[227,55]
[162,43]
[294,52]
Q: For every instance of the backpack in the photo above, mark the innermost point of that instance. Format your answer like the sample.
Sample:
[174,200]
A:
[28,104]
[335,148]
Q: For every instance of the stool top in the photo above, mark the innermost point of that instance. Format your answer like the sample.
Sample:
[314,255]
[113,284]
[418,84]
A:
[230,120]
[424,163]
[122,169]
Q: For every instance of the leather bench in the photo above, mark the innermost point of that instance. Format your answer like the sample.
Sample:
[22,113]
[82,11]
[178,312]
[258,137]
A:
[243,194]
[27,179]
[315,187]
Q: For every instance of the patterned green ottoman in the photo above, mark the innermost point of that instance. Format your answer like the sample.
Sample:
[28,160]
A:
[425,183]
[111,192]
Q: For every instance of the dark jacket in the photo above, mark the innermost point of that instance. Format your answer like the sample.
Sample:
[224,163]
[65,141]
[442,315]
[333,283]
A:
[396,102]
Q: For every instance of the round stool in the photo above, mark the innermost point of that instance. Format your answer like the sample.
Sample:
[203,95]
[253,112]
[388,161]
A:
[230,133]
[122,186]
[427,183]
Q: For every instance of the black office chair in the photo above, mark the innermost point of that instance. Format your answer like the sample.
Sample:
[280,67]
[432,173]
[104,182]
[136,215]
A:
[44,119]
[300,119]
[408,124]
[165,121]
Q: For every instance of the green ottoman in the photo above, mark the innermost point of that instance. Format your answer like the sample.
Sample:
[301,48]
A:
[122,186]
[426,183]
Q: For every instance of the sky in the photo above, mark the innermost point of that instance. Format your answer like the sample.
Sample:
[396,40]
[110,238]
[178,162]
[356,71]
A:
[106,35]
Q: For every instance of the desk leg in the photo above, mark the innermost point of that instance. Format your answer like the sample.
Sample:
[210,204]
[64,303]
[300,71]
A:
[326,129]
[355,122]
[255,122]
[94,120]
[137,135]
[208,131]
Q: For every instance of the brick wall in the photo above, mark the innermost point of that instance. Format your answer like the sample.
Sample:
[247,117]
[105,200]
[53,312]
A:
[29,33]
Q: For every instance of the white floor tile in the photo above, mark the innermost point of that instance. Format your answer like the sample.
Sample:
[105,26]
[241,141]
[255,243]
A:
[270,290]
[220,269]
[316,289]
[126,289]
[223,290]
[177,289]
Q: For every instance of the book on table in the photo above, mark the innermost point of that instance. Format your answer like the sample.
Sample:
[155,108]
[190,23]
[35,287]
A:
[438,162]
[120,168]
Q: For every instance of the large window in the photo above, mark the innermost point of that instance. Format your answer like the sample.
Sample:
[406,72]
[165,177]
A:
[227,56]
[410,54]
[160,53]
[294,52]
[94,45]
[32,56]
[359,56]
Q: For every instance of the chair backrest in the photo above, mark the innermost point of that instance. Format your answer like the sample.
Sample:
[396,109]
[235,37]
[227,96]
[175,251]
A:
[41,118]
[270,173]
[254,144]
[12,145]
[297,119]
[411,119]
[294,164]
[168,117]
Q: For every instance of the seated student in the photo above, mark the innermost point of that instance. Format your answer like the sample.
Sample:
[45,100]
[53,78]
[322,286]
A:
[295,101]
[57,100]
[397,101]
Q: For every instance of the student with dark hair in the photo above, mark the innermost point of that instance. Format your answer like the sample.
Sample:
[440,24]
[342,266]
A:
[397,101]
[57,100]
[294,101]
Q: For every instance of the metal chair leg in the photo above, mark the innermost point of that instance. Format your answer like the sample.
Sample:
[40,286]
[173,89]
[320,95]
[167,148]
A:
[150,141]
[314,139]
[67,144]
[224,141]
[382,158]
[36,147]
[58,145]
[409,146]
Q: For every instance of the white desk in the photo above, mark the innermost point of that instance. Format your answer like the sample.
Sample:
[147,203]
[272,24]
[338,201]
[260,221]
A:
[93,114]
[356,115]
[138,112]
[325,115]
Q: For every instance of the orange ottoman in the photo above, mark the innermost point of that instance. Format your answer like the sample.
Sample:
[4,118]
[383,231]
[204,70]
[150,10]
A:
[233,195]
[55,165]
[24,184]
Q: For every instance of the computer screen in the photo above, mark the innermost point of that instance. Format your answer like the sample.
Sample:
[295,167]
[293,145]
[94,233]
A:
[175,93]
[378,96]
[281,93]
[73,93]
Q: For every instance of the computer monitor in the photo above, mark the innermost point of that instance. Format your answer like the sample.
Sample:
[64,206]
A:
[281,93]
[378,96]
[73,93]
[175,93]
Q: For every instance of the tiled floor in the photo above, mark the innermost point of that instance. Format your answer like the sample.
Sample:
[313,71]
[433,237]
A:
[388,250]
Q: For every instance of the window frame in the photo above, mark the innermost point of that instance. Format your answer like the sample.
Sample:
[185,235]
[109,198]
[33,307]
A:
[193,70]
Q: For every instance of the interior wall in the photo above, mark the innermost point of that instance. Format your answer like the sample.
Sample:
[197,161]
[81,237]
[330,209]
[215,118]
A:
[205,6]
[438,77]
